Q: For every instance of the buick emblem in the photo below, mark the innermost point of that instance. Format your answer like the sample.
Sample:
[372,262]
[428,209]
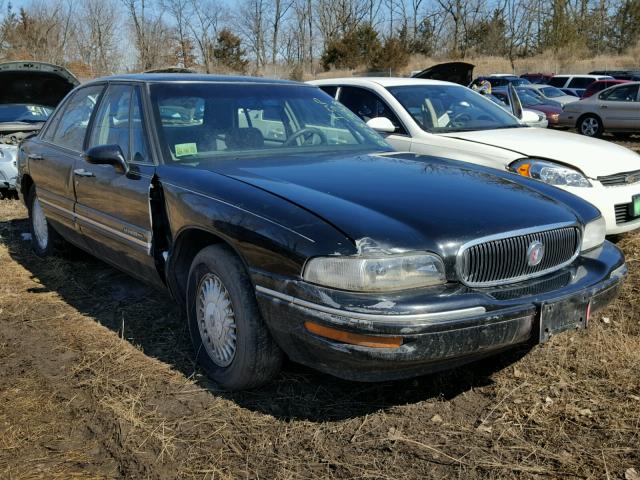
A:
[535,253]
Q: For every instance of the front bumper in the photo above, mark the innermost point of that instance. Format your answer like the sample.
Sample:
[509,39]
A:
[609,200]
[440,328]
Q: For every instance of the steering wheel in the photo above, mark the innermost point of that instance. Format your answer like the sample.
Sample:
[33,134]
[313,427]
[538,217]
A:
[306,133]
[460,119]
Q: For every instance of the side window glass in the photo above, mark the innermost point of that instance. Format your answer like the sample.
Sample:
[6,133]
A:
[139,145]
[74,119]
[329,90]
[557,81]
[111,126]
[621,94]
[367,105]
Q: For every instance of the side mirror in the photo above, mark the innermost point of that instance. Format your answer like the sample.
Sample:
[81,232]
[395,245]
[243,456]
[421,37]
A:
[107,155]
[514,101]
[381,125]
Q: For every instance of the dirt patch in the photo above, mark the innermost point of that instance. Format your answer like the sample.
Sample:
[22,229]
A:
[98,381]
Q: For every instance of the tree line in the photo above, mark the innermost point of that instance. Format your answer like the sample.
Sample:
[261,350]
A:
[292,37]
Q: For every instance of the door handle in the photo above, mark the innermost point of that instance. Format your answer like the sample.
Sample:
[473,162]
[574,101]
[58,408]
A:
[81,172]
[603,106]
[34,157]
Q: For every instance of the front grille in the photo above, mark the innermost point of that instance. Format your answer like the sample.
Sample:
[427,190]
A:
[618,179]
[505,260]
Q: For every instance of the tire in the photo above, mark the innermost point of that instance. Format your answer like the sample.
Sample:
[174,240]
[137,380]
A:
[231,341]
[44,240]
[590,126]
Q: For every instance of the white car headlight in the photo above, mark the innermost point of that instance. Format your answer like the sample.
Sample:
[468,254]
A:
[376,274]
[8,153]
[593,235]
[549,172]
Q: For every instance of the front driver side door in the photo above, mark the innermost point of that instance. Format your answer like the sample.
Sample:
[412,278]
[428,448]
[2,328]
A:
[113,207]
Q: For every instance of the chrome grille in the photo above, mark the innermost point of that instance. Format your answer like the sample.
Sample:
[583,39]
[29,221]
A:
[618,179]
[503,260]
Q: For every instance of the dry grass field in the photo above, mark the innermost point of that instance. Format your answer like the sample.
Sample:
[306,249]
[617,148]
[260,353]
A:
[97,380]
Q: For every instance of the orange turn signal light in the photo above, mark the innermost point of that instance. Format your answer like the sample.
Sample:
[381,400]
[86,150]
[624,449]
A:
[524,169]
[353,338]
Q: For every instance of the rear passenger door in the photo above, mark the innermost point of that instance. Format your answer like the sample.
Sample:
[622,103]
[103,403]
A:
[53,155]
[367,105]
[112,206]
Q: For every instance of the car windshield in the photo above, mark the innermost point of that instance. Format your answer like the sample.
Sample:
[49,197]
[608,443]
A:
[451,108]
[552,92]
[24,113]
[200,121]
[528,99]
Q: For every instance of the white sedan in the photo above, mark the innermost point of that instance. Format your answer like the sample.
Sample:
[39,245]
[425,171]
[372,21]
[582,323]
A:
[448,120]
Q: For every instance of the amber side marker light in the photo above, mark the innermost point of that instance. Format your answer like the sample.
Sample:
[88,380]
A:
[524,170]
[353,338]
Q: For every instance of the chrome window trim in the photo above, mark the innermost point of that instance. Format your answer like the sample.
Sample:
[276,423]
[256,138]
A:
[460,314]
[516,233]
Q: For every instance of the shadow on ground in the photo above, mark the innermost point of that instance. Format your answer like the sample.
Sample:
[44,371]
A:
[149,319]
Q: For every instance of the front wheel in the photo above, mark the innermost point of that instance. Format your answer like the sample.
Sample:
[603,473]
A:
[590,126]
[231,340]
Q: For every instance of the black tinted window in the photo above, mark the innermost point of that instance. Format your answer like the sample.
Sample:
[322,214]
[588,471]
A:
[329,90]
[580,82]
[367,105]
[74,118]
[558,81]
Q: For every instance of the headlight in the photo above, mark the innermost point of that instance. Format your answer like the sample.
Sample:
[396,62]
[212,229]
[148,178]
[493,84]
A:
[376,274]
[549,172]
[8,153]
[594,233]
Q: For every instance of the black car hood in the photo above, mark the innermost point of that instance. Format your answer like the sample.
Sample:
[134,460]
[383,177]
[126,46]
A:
[35,83]
[402,201]
[456,72]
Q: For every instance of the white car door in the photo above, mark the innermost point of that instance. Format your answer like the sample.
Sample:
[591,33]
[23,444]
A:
[367,104]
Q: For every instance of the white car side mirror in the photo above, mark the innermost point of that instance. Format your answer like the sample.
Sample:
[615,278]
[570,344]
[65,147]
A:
[381,125]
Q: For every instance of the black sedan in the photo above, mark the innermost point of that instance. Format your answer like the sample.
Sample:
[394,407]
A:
[284,225]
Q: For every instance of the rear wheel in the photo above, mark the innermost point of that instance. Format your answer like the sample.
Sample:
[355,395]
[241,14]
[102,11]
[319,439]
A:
[231,340]
[44,239]
[590,126]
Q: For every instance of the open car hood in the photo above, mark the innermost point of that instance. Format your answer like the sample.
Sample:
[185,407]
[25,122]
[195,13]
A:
[36,83]
[456,72]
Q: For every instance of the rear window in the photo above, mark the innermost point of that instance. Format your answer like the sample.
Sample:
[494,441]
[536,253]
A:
[558,81]
[581,82]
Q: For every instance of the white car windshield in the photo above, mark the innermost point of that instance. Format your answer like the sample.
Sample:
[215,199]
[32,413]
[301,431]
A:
[451,108]
[552,92]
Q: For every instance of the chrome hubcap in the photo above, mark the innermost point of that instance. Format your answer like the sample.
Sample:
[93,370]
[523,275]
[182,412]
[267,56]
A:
[589,126]
[216,320]
[39,225]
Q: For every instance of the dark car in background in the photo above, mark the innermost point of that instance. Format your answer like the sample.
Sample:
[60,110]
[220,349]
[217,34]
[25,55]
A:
[600,85]
[29,91]
[537,78]
[630,75]
[282,224]
[503,80]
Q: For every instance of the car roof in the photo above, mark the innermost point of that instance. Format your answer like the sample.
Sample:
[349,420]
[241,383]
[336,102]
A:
[382,81]
[584,75]
[192,77]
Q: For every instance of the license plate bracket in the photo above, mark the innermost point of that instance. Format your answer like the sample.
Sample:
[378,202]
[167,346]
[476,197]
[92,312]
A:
[634,207]
[567,314]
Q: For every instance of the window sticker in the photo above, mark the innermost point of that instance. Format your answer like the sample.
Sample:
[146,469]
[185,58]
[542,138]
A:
[183,149]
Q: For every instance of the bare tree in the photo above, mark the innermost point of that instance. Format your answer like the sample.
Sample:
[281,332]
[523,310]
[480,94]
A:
[96,36]
[207,15]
